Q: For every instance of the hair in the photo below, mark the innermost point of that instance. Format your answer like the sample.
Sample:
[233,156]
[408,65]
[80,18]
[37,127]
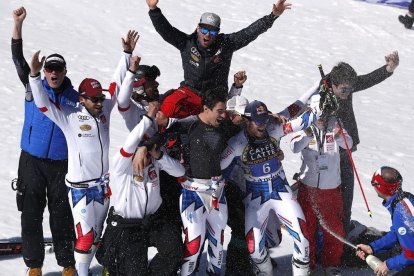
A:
[390,175]
[343,73]
[213,96]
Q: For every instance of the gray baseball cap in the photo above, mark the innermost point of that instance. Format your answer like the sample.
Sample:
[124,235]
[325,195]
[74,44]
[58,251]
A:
[210,19]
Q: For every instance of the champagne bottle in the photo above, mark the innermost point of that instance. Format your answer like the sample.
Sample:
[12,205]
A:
[373,262]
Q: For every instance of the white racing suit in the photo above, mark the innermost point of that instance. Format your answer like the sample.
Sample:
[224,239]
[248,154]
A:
[204,214]
[266,190]
[88,165]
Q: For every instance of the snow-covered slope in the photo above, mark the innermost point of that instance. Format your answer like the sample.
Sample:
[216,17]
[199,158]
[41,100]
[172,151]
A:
[280,65]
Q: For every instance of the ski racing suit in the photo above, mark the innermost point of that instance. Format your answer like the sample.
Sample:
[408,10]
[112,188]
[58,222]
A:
[268,190]
[138,218]
[401,207]
[203,203]
[320,178]
[88,165]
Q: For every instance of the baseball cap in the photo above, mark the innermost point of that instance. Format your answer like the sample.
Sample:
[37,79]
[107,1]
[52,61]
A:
[55,60]
[91,88]
[151,72]
[210,19]
[257,111]
[386,186]
[237,104]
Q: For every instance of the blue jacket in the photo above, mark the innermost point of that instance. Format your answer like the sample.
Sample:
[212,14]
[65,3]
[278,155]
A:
[40,136]
[402,232]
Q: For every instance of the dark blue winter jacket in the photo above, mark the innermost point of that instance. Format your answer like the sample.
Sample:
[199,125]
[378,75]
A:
[40,136]
[402,232]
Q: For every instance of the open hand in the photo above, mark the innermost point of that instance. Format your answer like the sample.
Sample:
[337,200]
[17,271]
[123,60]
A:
[392,60]
[36,64]
[279,7]
[128,44]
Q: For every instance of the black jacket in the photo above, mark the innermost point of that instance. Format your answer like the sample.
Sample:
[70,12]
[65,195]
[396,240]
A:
[346,110]
[206,68]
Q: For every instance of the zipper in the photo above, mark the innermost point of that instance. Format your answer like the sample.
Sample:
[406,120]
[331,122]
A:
[100,142]
[30,133]
[146,194]
[50,140]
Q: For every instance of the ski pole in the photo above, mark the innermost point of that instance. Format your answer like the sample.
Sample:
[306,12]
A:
[348,151]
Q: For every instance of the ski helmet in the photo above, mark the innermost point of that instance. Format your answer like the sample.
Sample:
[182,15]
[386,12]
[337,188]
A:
[387,181]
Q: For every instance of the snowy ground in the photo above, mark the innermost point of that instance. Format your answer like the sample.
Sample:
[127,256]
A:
[280,65]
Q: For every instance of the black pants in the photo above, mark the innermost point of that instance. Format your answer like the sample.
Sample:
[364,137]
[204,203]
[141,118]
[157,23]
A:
[124,247]
[347,179]
[237,257]
[411,6]
[42,181]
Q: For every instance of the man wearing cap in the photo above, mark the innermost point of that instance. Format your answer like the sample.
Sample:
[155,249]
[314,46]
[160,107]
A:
[387,182]
[256,149]
[86,128]
[206,55]
[43,162]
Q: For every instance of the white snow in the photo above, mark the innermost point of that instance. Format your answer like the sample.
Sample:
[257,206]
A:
[280,64]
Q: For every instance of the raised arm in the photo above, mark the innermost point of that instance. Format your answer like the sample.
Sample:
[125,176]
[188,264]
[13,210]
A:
[124,98]
[22,68]
[170,34]
[128,45]
[42,101]
[243,37]
[366,81]
[295,108]
[239,79]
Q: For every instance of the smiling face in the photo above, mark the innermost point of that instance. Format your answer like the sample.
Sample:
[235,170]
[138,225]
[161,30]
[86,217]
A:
[206,36]
[215,116]
[342,90]
[92,104]
[54,75]
[256,130]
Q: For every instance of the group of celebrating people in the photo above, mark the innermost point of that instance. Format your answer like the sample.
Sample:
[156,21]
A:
[197,158]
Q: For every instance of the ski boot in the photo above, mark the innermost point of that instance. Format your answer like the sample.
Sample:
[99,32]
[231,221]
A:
[299,268]
[264,268]
[406,20]
[69,271]
[34,271]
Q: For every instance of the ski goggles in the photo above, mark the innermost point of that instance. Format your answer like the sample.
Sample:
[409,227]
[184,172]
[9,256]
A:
[205,31]
[57,69]
[95,99]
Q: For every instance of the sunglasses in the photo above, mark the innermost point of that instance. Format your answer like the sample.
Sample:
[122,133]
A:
[57,69]
[205,31]
[95,99]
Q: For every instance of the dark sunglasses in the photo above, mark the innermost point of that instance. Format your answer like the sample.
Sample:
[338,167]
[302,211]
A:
[95,99]
[205,31]
[57,69]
